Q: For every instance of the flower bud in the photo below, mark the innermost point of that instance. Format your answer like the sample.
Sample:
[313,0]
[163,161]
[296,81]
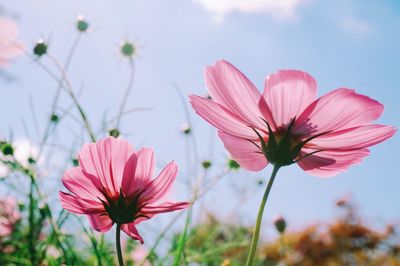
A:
[6,148]
[128,49]
[54,118]
[81,24]
[186,129]
[40,48]
[75,162]
[114,132]
[206,164]
[233,165]
[280,224]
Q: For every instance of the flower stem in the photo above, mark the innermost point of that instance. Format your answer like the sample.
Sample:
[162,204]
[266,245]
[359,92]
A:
[256,233]
[118,243]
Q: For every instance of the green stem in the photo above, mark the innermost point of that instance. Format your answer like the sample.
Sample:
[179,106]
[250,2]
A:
[70,92]
[118,243]
[182,240]
[31,218]
[256,234]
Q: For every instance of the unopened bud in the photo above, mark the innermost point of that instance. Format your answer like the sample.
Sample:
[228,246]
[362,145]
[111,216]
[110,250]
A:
[280,224]
[186,129]
[40,48]
[75,162]
[54,118]
[6,148]
[128,49]
[114,132]
[233,165]
[81,24]
[206,164]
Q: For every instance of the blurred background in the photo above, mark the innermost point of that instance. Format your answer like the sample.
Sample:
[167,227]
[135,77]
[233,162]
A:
[351,44]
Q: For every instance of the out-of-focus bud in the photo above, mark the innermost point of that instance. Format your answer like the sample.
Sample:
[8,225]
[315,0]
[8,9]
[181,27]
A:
[54,118]
[343,201]
[81,24]
[233,165]
[208,96]
[6,148]
[128,49]
[75,162]
[114,132]
[186,129]
[31,160]
[40,48]
[280,224]
[206,164]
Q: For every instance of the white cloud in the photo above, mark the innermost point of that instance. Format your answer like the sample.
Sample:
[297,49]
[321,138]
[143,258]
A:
[355,25]
[284,9]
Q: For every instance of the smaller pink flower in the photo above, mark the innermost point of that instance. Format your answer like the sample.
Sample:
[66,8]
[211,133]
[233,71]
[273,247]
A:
[113,184]
[9,47]
[9,215]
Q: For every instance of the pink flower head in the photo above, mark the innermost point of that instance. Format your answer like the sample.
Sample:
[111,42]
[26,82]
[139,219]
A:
[287,124]
[9,215]
[8,46]
[113,184]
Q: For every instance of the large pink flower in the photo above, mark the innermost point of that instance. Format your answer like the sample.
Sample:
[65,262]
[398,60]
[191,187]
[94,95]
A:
[287,124]
[113,184]
[9,48]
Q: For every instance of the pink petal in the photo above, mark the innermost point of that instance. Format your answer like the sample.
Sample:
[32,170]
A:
[234,91]
[82,184]
[77,205]
[106,159]
[138,172]
[339,109]
[130,230]
[220,117]
[164,207]
[100,222]
[355,138]
[8,29]
[331,162]
[288,93]
[244,152]
[160,186]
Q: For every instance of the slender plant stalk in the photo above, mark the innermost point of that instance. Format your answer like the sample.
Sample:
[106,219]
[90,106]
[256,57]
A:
[256,234]
[182,240]
[71,93]
[57,95]
[118,243]
[31,218]
[127,92]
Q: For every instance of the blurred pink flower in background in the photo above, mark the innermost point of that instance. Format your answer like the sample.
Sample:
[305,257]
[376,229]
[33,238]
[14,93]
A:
[9,47]
[139,255]
[324,136]
[113,184]
[9,215]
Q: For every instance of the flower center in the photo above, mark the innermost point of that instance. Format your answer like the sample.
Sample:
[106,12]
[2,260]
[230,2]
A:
[283,146]
[122,209]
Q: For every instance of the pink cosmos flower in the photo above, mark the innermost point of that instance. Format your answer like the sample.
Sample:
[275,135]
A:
[113,184]
[9,48]
[9,215]
[287,124]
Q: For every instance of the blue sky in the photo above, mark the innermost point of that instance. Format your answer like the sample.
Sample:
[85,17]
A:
[350,44]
